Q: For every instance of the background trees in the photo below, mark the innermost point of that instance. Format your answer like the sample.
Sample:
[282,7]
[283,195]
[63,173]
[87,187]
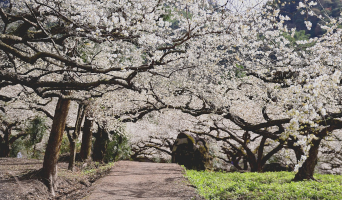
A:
[22,124]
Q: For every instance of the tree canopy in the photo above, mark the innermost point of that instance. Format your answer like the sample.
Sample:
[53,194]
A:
[245,70]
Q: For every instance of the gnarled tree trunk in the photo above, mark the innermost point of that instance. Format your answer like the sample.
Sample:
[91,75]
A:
[5,141]
[261,159]
[49,171]
[86,138]
[307,170]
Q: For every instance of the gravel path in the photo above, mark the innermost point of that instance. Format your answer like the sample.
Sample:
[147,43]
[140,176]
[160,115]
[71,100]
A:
[143,180]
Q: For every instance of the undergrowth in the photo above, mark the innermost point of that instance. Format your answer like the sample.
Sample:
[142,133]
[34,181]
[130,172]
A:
[92,172]
[270,185]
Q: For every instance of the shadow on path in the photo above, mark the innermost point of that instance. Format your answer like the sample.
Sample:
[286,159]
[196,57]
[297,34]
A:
[142,180]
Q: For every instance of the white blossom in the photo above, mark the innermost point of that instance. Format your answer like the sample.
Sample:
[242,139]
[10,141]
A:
[308,24]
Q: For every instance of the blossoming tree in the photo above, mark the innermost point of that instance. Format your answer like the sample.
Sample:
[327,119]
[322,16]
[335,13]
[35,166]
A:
[296,86]
[75,50]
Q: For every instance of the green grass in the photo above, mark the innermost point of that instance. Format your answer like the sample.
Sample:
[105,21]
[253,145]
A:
[270,185]
[99,168]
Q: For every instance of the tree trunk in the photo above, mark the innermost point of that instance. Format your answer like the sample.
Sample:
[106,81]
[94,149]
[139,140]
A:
[72,155]
[236,163]
[298,152]
[246,140]
[260,155]
[86,138]
[49,171]
[307,170]
[252,162]
[4,150]
[5,143]
[73,138]
[297,149]
[100,145]
[259,166]
[245,163]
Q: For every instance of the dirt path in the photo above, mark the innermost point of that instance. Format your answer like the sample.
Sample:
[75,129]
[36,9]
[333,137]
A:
[142,180]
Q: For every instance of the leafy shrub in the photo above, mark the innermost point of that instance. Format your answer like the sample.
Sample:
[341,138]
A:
[65,146]
[118,147]
[16,147]
[36,129]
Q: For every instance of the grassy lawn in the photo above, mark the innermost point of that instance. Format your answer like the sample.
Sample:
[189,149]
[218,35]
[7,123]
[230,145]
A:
[270,185]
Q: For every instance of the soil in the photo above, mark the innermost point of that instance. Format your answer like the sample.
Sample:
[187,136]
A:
[19,180]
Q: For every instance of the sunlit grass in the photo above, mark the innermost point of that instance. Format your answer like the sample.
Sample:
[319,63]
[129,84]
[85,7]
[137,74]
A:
[270,185]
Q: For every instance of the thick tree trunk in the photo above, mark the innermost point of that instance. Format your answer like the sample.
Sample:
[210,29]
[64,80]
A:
[73,138]
[100,145]
[307,170]
[86,138]
[4,150]
[259,166]
[49,171]
[252,162]
[256,163]
[5,144]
